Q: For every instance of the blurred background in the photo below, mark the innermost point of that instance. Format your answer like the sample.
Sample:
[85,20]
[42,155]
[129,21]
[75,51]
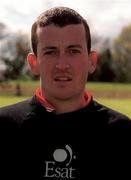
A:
[110,25]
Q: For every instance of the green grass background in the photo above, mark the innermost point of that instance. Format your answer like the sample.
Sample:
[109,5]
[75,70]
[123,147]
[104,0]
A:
[120,103]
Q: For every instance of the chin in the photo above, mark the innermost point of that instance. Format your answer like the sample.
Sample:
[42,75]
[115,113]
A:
[63,96]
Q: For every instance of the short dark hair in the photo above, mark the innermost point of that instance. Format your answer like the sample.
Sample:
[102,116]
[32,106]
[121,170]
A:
[59,16]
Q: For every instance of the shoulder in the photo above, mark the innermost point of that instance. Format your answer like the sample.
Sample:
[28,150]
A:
[16,112]
[112,117]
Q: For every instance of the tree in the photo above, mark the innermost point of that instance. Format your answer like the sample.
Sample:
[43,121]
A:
[106,67]
[122,54]
[14,52]
[14,55]
[105,71]
[4,31]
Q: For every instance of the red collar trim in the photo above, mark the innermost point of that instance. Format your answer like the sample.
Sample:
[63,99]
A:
[43,100]
[49,107]
[86,99]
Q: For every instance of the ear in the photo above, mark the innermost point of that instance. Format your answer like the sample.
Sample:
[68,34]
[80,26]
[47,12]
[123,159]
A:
[34,64]
[92,61]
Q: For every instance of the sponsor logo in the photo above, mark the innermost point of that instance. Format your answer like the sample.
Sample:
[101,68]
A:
[60,166]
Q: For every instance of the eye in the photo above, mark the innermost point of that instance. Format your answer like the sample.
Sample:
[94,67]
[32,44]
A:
[74,51]
[50,52]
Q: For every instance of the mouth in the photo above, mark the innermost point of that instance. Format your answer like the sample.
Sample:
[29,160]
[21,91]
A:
[62,79]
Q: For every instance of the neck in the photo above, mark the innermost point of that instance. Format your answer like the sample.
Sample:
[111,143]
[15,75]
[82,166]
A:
[59,105]
[64,106]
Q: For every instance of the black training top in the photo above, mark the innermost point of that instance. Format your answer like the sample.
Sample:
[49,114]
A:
[83,144]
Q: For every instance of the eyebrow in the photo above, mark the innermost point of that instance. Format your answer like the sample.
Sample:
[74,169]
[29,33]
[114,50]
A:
[75,46]
[54,47]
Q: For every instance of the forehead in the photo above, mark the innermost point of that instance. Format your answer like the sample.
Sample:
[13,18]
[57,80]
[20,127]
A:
[54,34]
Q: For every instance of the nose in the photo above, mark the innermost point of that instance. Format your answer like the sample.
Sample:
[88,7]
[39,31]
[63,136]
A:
[62,63]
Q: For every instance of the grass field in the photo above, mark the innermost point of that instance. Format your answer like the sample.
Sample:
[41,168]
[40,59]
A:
[121,105]
[114,95]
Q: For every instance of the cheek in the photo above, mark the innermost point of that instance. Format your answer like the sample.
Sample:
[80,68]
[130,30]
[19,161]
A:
[81,74]
[82,68]
[42,70]
[45,70]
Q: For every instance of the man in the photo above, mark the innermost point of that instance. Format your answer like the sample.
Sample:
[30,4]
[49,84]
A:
[61,133]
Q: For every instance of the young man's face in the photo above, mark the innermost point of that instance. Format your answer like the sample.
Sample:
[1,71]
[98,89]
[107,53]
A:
[63,61]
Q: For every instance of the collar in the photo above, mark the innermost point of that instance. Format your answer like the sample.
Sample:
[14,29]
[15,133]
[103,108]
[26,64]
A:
[86,99]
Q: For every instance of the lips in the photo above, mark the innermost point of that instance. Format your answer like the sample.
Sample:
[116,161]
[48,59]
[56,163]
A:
[63,78]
